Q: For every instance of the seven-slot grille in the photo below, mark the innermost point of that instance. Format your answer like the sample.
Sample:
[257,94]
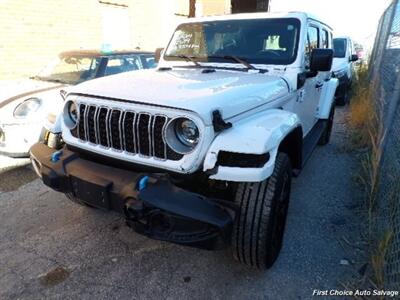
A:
[134,132]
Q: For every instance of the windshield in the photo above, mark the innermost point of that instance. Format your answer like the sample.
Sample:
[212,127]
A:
[261,41]
[70,70]
[339,47]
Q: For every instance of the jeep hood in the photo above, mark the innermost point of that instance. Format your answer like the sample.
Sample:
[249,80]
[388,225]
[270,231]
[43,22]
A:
[231,92]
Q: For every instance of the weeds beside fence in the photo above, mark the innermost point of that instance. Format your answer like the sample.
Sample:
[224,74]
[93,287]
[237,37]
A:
[379,112]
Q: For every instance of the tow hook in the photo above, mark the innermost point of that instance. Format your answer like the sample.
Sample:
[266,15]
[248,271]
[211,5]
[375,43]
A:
[55,157]
[142,184]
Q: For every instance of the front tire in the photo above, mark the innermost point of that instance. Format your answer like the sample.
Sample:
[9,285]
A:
[259,226]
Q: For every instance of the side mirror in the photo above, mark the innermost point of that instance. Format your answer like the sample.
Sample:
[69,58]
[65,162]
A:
[354,57]
[157,54]
[321,60]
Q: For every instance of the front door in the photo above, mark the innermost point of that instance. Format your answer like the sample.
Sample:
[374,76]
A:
[309,94]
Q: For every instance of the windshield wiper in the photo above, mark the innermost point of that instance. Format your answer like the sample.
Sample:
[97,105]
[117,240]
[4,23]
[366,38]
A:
[240,61]
[188,58]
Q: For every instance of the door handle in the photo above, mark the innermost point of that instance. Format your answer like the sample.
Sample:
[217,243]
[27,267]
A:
[319,85]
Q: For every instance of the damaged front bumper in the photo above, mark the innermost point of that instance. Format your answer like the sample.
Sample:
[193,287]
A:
[151,203]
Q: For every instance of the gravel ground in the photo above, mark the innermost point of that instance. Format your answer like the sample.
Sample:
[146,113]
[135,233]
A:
[52,248]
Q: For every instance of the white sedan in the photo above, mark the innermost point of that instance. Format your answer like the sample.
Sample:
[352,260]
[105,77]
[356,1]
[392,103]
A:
[25,104]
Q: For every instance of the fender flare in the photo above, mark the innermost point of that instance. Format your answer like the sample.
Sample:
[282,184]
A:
[246,137]
[327,98]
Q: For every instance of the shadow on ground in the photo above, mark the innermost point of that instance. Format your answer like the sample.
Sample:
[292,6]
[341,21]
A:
[13,179]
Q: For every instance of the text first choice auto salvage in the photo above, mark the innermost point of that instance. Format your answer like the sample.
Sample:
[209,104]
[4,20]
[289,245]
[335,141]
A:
[388,293]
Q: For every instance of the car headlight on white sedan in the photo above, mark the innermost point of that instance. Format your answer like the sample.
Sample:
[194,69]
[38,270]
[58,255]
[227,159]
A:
[27,108]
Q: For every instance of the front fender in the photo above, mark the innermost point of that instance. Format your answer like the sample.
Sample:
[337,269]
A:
[327,98]
[259,134]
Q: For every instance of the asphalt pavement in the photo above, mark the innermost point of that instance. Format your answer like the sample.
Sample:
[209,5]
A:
[53,248]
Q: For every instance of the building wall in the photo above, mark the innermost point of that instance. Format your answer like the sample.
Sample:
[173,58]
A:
[34,31]
[31,32]
[212,7]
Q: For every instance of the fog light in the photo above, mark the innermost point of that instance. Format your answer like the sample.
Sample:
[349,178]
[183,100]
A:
[53,140]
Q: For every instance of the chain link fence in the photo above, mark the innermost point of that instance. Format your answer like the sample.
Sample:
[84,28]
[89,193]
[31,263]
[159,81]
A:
[385,73]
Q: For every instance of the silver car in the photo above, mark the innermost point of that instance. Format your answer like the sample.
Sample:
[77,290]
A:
[25,104]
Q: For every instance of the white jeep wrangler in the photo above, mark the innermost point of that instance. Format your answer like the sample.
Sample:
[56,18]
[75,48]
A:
[201,150]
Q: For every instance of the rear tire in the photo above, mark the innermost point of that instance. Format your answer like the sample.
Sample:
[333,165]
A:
[326,135]
[259,227]
[344,99]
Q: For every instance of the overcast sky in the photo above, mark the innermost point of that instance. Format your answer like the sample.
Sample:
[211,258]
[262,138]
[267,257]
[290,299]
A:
[356,18]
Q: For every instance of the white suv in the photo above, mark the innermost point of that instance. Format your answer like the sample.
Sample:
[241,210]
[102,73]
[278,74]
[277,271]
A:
[201,151]
[343,67]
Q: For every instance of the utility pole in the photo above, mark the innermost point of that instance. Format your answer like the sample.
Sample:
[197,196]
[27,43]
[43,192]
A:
[247,6]
[192,8]
[263,5]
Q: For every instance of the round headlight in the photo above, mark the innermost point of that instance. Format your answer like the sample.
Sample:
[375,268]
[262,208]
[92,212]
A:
[182,135]
[27,108]
[73,112]
[187,132]
[70,114]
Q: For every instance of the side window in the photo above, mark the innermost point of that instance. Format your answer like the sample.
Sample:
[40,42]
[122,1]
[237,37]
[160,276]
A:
[122,64]
[149,61]
[325,39]
[312,43]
